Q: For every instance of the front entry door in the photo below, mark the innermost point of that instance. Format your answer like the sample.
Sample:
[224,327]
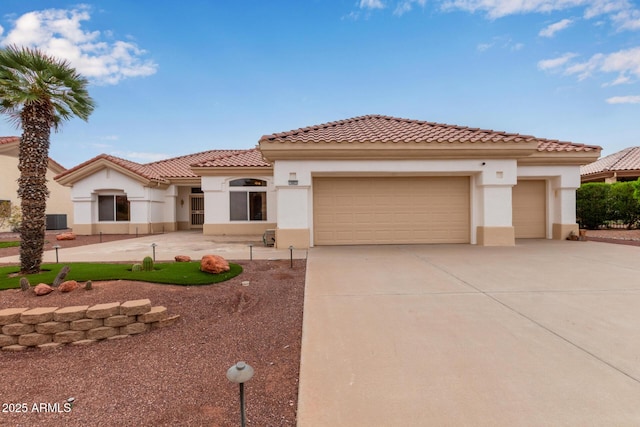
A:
[197,210]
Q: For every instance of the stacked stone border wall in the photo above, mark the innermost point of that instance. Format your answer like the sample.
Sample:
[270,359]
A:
[51,327]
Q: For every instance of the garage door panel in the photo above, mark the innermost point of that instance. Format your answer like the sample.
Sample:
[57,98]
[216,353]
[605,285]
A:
[530,209]
[391,210]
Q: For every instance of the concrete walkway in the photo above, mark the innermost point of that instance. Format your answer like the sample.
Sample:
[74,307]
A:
[192,243]
[544,333]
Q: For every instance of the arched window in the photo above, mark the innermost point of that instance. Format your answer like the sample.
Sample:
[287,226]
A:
[247,205]
[247,182]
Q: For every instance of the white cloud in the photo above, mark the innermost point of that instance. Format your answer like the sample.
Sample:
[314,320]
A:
[138,156]
[482,47]
[371,4]
[629,99]
[551,30]
[550,64]
[624,14]
[407,5]
[59,33]
[499,8]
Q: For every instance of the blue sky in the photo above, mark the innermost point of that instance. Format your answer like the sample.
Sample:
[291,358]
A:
[173,78]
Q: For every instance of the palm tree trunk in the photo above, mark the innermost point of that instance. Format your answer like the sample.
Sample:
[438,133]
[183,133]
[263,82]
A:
[32,184]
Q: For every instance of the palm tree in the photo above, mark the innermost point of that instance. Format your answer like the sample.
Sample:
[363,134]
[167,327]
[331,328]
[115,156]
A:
[38,92]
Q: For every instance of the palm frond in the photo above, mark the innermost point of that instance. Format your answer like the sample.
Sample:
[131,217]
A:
[30,76]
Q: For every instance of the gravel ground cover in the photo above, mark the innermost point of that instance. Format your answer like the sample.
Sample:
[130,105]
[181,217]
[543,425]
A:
[173,376]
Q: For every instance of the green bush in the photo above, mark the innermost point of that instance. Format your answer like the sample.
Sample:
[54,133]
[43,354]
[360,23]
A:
[623,205]
[147,264]
[592,204]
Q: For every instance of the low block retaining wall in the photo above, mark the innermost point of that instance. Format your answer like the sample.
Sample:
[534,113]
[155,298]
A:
[51,327]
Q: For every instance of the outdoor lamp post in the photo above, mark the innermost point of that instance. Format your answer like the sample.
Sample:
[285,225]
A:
[153,246]
[56,247]
[250,251]
[240,373]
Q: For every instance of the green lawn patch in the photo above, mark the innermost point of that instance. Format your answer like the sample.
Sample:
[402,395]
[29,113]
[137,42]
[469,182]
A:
[173,273]
[9,244]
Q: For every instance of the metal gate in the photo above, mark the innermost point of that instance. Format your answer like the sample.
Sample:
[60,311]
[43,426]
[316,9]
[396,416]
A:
[197,210]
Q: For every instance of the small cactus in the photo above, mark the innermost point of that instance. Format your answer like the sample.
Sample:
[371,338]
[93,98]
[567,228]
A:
[147,263]
[88,286]
[61,275]
[24,284]
[136,267]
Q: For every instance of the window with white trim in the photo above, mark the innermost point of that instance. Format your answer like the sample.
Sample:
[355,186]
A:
[113,208]
[247,205]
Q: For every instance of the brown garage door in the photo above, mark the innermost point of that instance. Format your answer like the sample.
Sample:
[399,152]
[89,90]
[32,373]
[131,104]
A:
[387,210]
[530,209]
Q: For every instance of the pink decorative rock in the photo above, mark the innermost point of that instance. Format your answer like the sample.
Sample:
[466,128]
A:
[68,286]
[214,264]
[66,236]
[183,258]
[42,289]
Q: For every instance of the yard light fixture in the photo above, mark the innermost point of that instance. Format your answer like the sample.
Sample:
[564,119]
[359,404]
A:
[56,247]
[250,251]
[240,373]
[291,255]
[153,246]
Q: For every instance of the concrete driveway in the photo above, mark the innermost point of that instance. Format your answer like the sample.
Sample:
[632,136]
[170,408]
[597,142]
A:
[543,333]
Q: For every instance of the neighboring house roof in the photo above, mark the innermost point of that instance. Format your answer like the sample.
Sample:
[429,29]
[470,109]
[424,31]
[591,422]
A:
[376,135]
[164,170]
[623,163]
[9,145]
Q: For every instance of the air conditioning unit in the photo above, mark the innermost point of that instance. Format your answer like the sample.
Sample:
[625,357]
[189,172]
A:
[57,222]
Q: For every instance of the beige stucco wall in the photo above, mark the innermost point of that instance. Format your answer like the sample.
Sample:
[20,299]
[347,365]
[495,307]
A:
[59,201]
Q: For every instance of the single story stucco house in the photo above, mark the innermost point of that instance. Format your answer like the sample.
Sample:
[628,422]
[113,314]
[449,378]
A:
[59,203]
[365,180]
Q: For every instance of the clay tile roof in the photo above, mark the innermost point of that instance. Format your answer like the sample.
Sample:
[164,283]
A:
[247,158]
[6,140]
[385,129]
[627,159]
[134,167]
[176,167]
[180,167]
[9,139]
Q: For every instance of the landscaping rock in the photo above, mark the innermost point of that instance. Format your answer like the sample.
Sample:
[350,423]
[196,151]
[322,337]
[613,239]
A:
[101,311]
[11,315]
[68,314]
[68,286]
[182,258]
[156,314]
[38,315]
[42,289]
[66,236]
[69,336]
[6,340]
[31,340]
[214,264]
[51,327]
[135,307]
[18,329]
